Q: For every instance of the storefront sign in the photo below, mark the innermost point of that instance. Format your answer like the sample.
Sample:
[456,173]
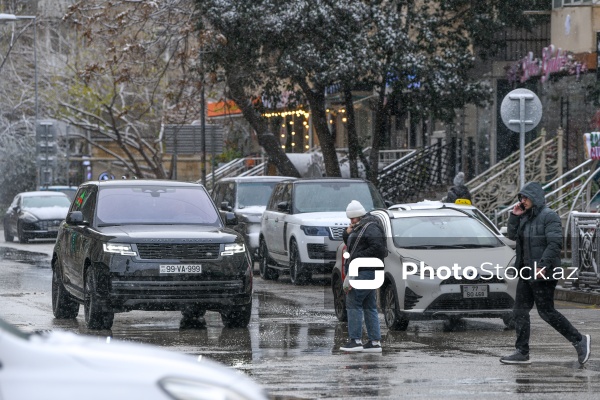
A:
[591,142]
[553,61]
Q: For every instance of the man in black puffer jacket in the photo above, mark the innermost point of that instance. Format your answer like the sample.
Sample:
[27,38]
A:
[538,233]
[364,238]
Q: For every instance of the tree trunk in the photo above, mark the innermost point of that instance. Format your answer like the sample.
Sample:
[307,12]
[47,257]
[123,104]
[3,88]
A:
[380,116]
[316,100]
[354,147]
[266,139]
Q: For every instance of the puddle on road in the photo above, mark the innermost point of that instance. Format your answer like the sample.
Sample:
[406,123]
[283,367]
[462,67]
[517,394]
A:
[40,260]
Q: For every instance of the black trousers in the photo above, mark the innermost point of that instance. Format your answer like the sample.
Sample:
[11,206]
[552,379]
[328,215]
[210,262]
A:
[542,294]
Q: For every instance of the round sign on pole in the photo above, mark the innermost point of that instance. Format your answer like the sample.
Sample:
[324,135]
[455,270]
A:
[510,110]
[521,111]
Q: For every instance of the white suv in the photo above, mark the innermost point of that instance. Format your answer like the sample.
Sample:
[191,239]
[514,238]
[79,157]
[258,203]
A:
[304,222]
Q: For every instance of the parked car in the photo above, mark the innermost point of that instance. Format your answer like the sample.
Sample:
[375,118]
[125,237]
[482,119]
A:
[33,215]
[303,224]
[149,245]
[430,242]
[64,366]
[247,198]
[68,190]
[469,209]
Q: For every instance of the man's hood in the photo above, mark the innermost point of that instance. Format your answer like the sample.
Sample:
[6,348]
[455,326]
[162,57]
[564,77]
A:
[535,192]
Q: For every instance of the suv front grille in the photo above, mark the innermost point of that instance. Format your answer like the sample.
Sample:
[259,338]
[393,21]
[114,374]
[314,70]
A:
[337,232]
[163,251]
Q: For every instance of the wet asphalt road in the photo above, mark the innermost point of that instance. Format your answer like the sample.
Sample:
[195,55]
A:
[291,343]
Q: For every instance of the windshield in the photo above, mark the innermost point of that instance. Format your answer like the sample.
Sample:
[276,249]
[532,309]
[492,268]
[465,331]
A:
[335,196]
[254,194]
[156,205]
[441,232]
[46,201]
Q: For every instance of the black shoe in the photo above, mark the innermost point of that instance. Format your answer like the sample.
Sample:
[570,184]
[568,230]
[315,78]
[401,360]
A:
[352,345]
[584,349]
[371,348]
[516,358]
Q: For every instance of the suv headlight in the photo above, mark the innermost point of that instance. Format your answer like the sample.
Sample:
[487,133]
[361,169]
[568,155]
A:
[426,271]
[119,248]
[315,230]
[232,248]
[27,217]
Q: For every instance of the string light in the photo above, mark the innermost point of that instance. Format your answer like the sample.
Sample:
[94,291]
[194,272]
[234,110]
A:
[297,113]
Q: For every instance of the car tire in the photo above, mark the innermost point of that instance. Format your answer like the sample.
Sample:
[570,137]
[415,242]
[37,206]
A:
[7,236]
[22,237]
[266,272]
[298,274]
[63,306]
[391,313]
[339,299]
[237,317]
[509,321]
[95,317]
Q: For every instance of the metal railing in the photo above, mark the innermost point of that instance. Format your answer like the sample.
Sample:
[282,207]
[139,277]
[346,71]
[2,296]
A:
[420,173]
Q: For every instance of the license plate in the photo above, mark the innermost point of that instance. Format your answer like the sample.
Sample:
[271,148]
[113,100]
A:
[181,269]
[474,291]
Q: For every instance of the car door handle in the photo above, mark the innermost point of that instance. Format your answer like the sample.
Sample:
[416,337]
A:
[276,219]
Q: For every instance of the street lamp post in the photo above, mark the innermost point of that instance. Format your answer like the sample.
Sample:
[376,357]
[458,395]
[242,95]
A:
[12,17]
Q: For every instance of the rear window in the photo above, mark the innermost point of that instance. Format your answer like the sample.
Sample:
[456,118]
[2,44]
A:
[155,205]
[335,196]
[254,194]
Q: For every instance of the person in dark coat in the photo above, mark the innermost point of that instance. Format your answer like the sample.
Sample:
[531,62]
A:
[537,231]
[459,193]
[364,238]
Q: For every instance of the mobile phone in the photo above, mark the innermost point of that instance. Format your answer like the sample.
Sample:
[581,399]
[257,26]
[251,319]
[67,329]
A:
[522,206]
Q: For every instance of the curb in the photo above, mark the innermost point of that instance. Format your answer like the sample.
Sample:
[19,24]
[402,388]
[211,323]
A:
[577,296]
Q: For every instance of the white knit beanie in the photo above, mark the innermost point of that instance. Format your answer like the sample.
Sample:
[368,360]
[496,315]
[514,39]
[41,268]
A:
[355,209]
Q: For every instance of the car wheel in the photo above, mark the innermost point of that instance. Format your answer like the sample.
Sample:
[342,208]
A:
[237,317]
[63,306]
[266,272]
[95,317]
[391,314]
[339,299]
[7,236]
[298,275]
[22,237]
[509,321]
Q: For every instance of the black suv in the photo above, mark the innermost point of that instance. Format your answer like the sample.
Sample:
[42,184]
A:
[149,245]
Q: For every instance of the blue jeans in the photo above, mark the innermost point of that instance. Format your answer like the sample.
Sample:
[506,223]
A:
[361,302]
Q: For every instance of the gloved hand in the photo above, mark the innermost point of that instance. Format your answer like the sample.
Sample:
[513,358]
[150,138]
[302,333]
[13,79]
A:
[346,284]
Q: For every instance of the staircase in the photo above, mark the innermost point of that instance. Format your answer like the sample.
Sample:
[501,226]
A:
[421,174]
[496,188]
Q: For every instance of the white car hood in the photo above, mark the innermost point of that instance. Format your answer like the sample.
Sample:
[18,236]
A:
[48,212]
[323,219]
[487,257]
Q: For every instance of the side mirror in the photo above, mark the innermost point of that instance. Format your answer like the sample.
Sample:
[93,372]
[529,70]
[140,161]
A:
[503,230]
[230,219]
[283,206]
[388,203]
[225,206]
[75,218]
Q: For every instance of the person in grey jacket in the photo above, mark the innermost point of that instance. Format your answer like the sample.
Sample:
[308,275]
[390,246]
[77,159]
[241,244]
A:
[537,231]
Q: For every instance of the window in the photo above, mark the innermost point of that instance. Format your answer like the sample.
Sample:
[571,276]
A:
[566,3]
